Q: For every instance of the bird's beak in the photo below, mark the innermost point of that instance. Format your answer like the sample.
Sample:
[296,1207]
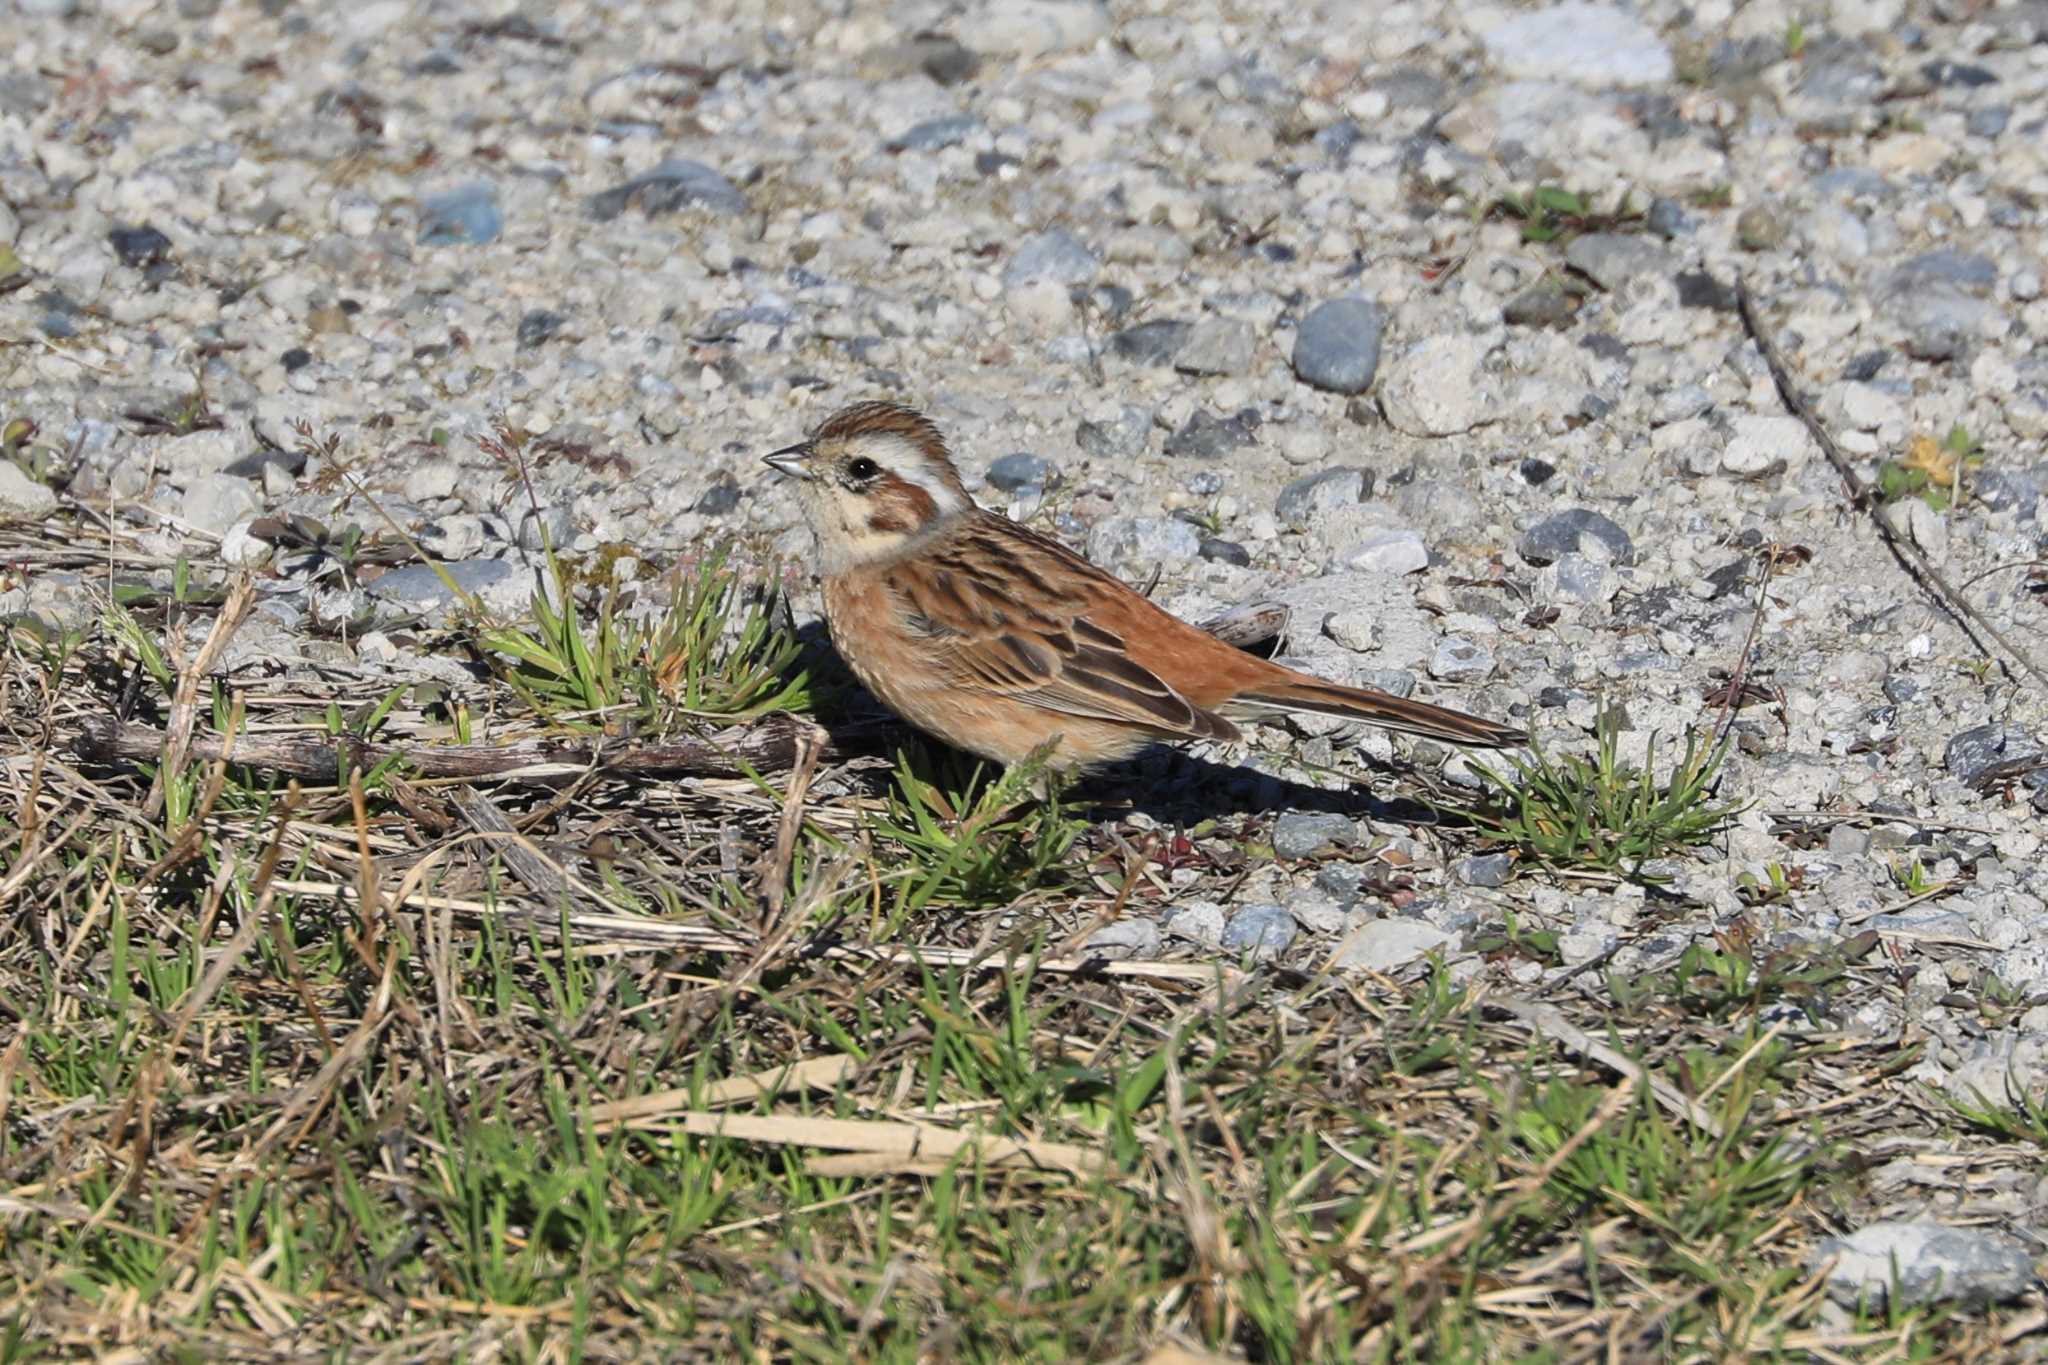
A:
[791,460]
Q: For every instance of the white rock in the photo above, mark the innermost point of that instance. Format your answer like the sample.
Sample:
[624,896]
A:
[1869,408]
[1042,306]
[1033,28]
[1355,630]
[216,502]
[1391,552]
[1436,388]
[434,477]
[22,498]
[1304,445]
[242,550]
[1925,527]
[1592,45]
[187,458]
[1760,443]
[1386,945]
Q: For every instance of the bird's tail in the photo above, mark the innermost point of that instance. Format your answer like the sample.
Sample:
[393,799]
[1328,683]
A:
[1303,693]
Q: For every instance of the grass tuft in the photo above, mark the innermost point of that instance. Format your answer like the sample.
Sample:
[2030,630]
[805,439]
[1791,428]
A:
[716,649]
[1600,814]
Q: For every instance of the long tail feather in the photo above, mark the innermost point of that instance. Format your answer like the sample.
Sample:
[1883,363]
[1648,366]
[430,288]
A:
[1385,710]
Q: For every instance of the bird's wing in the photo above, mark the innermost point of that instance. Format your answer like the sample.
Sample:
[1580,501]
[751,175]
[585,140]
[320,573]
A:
[1013,613]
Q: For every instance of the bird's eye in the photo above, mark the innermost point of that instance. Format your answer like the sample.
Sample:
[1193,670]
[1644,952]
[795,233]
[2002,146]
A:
[863,468]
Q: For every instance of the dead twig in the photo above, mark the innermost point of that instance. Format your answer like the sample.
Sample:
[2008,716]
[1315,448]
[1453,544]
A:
[177,745]
[1910,556]
[769,744]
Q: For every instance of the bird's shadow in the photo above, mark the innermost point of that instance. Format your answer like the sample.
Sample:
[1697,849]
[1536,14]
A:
[1174,787]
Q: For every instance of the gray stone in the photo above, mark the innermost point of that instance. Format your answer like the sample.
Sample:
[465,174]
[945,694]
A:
[1458,659]
[1585,580]
[1206,436]
[1157,342]
[1576,530]
[553,527]
[1613,260]
[1114,438]
[1587,44]
[935,134]
[1226,552]
[1947,265]
[1055,255]
[214,502]
[1216,346]
[2007,1070]
[1681,403]
[1543,304]
[454,537]
[1760,227]
[1018,471]
[1263,930]
[419,586]
[1143,539]
[1199,921]
[1387,945]
[1958,75]
[2002,490]
[1970,753]
[1990,121]
[1394,551]
[1487,869]
[1337,346]
[1303,834]
[1941,321]
[668,188]
[465,216]
[1303,498]
[720,498]
[1136,937]
[538,326]
[22,498]
[1337,139]
[1668,219]
[1924,1263]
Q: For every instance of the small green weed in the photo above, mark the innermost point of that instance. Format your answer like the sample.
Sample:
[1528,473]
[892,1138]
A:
[693,660]
[1731,976]
[1931,470]
[969,842]
[2023,1117]
[1601,814]
[1775,887]
[1549,212]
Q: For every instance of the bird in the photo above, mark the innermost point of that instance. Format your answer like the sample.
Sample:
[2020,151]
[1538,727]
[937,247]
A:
[1005,643]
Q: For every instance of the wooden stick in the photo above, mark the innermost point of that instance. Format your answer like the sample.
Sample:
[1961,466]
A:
[769,744]
[1910,556]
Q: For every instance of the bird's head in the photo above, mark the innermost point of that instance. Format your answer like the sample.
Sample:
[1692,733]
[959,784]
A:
[875,479]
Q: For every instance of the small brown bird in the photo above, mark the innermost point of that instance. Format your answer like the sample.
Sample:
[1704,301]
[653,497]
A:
[998,640]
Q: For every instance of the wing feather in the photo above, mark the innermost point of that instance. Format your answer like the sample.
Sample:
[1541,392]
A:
[1010,611]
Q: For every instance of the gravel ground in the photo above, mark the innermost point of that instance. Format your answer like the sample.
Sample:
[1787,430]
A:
[1251,295]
